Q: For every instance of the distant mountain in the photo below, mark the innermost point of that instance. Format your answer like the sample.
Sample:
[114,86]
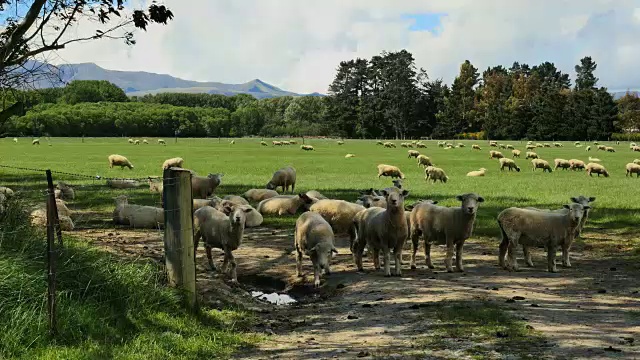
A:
[137,83]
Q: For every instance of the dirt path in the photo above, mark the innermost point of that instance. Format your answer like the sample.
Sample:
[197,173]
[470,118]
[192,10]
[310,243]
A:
[591,311]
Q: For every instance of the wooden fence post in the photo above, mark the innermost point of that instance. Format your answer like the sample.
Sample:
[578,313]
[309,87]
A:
[52,216]
[178,233]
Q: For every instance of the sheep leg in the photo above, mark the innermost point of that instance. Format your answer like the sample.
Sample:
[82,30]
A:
[376,259]
[459,266]
[213,266]
[414,248]
[565,255]
[398,255]
[511,253]
[504,245]
[387,261]
[427,254]
[358,248]
[234,266]
[316,275]
[299,264]
[527,255]
[551,258]
[293,187]
[449,257]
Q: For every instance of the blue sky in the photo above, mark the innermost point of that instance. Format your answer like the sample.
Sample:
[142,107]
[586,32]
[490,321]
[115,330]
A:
[425,22]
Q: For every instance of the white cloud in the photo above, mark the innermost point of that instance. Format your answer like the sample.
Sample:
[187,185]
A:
[297,45]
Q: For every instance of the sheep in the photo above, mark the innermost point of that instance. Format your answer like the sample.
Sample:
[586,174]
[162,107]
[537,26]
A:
[502,146]
[510,147]
[576,164]
[155,186]
[283,178]
[389,145]
[493,144]
[372,201]
[62,208]
[444,225]
[579,145]
[508,163]
[379,142]
[530,147]
[222,232]
[236,200]
[7,192]
[421,145]
[539,145]
[382,230]
[119,160]
[441,143]
[515,153]
[144,141]
[161,141]
[531,155]
[561,163]
[136,142]
[130,141]
[276,143]
[596,143]
[460,145]
[477,173]
[137,216]
[602,147]
[340,214]
[173,162]
[257,195]
[203,186]
[557,144]
[348,156]
[315,194]
[232,142]
[610,149]
[314,238]
[293,142]
[596,168]
[263,143]
[122,183]
[632,144]
[475,147]
[540,164]
[35,142]
[254,218]
[15,140]
[199,203]
[578,142]
[529,227]
[66,191]
[389,170]
[306,147]
[397,183]
[286,142]
[588,148]
[547,145]
[636,148]
[594,159]
[283,204]
[435,174]
[424,160]
[340,142]
[636,161]
[495,154]
[38,217]
[413,154]
[633,169]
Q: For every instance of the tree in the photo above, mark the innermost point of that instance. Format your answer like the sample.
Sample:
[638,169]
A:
[34,27]
[459,114]
[629,112]
[585,79]
[92,91]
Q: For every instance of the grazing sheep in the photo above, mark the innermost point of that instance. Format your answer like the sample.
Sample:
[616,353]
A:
[531,155]
[15,140]
[424,160]
[340,142]
[314,238]
[257,195]
[173,162]
[539,145]
[137,216]
[413,154]
[515,153]
[502,146]
[610,149]
[232,142]
[636,161]
[389,145]
[576,164]
[441,143]
[636,148]
[508,163]
[444,225]
[578,142]
[596,168]
[35,142]
[511,147]
[161,141]
[122,183]
[7,192]
[130,141]
[460,145]
[379,142]
[541,164]
[382,230]
[222,232]
[286,142]
[203,186]
[421,145]
[283,204]
[119,160]
[283,178]
[144,141]
[633,169]
[263,143]
[493,144]
[528,227]
[547,145]
[588,148]
[349,156]
[66,191]
[594,159]
[276,143]
[557,144]
[495,154]
[477,173]
[435,174]
[389,170]
[561,163]
[137,142]
[475,147]
[306,147]
[579,145]
[602,147]
[530,147]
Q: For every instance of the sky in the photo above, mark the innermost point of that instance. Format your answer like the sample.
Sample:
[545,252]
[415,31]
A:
[298,44]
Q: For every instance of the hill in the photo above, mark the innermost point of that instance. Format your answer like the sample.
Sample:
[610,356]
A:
[137,83]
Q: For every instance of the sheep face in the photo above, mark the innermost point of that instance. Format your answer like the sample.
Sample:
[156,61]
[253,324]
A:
[397,183]
[321,255]
[121,199]
[238,216]
[372,201]
[470,202]
[576,211]
[395,199]
[369,192]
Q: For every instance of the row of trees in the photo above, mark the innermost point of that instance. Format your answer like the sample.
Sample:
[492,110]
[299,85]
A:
[384,97]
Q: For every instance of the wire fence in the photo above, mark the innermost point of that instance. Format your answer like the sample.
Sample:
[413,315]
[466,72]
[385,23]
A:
[90,233]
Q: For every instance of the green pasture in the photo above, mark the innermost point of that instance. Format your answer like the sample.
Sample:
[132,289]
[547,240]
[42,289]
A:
[246,164]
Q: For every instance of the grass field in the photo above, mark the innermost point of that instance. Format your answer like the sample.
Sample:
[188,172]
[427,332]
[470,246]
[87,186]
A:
[247,164]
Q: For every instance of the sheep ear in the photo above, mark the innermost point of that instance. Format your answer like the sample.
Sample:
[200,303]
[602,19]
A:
[248,210]
[460,197]
[405,193]
[435,202]
[586,207]
[334,250]
[592,199]
[575,200]
[566,206]
[480,199]
[384,193]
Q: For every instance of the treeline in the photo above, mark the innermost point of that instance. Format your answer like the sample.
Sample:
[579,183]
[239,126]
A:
[383,97]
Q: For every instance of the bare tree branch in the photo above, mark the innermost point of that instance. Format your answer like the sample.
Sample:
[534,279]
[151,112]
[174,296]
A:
[17,35]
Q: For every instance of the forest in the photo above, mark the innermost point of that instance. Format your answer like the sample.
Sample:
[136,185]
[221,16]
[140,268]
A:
[386,96]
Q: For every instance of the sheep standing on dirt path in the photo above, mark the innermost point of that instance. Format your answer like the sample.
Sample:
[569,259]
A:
[283,178]
[382,230]
[444,225]
[119,160]
[340,214]
[314,238]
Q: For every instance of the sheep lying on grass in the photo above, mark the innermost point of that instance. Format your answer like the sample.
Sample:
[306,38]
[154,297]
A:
[203,186]
[477,173]
[389,170]
[7,192]
[508,163]
[235,199]
[137,216]
[283,178]
[314,238]
[382,230]
[122,183]
[315,194]
[283,204]
[173,162]
[349,156]
[263,143]
[38,217]
[444,225]
[66,192]
[595,168]
[222,232]
[372,201]
[257,195]
[592,159]
[200,203]
[529,227]
[119,160]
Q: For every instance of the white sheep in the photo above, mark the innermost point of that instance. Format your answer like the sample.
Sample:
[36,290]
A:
[263,143]
[173,162]
[283,204]
[307,147]
[531,155]
[283,178]
[119,160]
[38,217]
[413,153]
[508,163]
[561,163]
[257,195]
[591,159]
[349,156]
[314,238]
[475,147]
[232,142]
[130,141]
[610,149]
[254,218]
[66,191]
[144,141]
[137,216]
[235,199]
[316,195]
[528,227]
[435,174]
[421,145]
[576,164]
[588,148]
[35,142]
[636,161]
[368,201]
[338,213]
[15,140]
[382,230]
[515,153]
[595,168]
[213,202]
[389,170]
[424,160]
[7,192]
[155,186]
[477,173]
[136,142]
[203,186]
[161,141]
[122,183]
[633,169]
[541,164]
[222,232]
[444,225]
[495,154]
[340,142]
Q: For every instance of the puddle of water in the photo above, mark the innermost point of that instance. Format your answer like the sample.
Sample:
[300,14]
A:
[274,298]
